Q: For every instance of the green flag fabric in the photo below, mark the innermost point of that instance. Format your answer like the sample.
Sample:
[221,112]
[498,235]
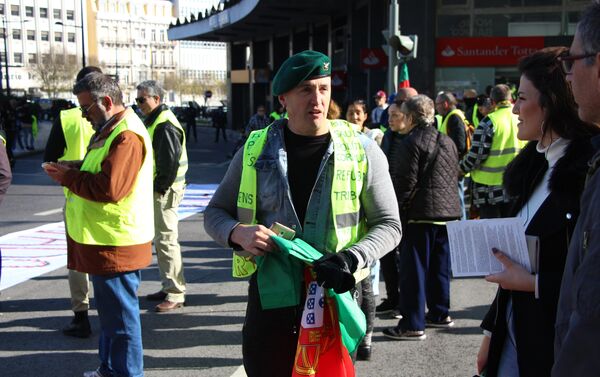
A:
[352,321]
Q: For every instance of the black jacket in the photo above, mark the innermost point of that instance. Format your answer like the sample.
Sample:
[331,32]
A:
[553,223]
[167,144]
[426,192]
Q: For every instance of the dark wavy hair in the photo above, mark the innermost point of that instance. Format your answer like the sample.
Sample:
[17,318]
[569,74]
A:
[543,69]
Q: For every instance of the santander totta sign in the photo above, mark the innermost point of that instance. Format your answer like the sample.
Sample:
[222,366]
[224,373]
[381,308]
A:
[484,52]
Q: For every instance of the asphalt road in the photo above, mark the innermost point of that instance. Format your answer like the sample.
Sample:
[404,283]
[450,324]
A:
[203,338]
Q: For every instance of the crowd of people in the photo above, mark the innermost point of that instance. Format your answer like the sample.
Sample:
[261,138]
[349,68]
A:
[371,193]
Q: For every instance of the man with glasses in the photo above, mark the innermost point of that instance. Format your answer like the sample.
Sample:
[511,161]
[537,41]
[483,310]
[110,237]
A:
[109,222]
[170,166]
[578,314]
[68,141]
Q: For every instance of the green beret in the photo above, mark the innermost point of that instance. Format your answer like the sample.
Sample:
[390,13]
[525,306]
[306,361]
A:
[305,65]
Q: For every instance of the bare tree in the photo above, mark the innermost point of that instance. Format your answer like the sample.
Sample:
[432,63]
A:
[56,72]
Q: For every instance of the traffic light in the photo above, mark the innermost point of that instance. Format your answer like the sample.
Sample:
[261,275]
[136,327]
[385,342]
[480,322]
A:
[405,46]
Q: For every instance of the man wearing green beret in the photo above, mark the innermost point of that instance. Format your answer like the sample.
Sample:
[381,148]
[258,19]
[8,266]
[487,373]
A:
[317,177]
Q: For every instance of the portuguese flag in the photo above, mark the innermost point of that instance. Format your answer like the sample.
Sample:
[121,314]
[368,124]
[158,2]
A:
[403,81]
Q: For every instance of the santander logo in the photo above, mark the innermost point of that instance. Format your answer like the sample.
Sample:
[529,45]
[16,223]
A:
[448,52]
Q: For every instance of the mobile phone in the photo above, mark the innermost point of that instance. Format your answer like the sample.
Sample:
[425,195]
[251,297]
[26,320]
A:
[283,231]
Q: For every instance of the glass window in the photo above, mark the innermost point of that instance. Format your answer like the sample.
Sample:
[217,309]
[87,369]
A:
[18,56]
[57,13]
[71,37]
[58,36]
[2,9]
[2,35]
[32,58]
[16,34]
[454,2]
[43,12]
[70,15]
[31,35]
[514,3]
[14,10]
[153,35]
[44,36]
[3,56]
[512,25]
[29,11]
[453,26]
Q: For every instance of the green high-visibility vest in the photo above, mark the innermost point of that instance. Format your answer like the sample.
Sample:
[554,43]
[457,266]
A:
[167,115]
[2,139]
[505,147]
[127,222]
[349,227]
[444,127]
[34,126]
[475,119]
[78,132]
[275,115]
[438,121]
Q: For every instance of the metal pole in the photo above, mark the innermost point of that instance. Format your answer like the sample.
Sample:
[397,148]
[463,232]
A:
[6,57]
[393,29]
[82,37]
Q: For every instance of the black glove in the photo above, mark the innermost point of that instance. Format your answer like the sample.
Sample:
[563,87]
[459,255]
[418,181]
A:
[334,270]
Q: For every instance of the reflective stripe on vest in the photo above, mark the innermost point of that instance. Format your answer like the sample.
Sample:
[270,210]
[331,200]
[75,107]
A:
[127,222]
[78,132]
[505,146]
[444,128]
[350,168]
[2,139]
[167,115]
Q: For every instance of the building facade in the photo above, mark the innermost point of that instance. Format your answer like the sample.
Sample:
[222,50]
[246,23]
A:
[131,42]
[33,29]
[201,63]
[462,43]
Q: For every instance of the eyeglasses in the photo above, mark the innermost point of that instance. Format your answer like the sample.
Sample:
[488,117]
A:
[85,110]
[568,60]
[141,100]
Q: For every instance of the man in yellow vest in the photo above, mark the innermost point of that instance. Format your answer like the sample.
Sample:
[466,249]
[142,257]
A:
[109,219]
[453,124]
[68,141]
[170,166]
[494,146]
[317,177]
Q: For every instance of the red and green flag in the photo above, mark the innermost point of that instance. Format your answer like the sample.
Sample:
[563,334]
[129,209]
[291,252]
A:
[403,81]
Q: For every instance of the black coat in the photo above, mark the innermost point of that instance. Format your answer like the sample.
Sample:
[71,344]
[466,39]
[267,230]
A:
[426,192]
[553,223]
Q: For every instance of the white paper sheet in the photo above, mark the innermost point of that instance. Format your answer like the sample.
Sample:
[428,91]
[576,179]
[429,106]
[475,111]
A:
[471,243]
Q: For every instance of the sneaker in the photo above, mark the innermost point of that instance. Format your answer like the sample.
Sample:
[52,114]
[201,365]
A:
[363,353]
[93,373]
[446,322]
[385,307]
[396,314]
[397,334]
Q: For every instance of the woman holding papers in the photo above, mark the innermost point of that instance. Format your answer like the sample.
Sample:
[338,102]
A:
[546,179]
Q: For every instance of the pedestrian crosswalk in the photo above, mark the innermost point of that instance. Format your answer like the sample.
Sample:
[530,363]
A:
[37,251]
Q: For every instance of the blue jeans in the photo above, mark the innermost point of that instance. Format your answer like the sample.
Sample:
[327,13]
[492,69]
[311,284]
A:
[120,348]
[424,275]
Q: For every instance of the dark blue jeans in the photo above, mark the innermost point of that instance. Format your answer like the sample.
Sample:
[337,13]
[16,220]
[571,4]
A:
[424,275]
[120,348]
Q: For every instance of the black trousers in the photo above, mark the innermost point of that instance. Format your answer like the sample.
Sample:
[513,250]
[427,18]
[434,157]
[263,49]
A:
[269,337]
[494,211]
[389,270]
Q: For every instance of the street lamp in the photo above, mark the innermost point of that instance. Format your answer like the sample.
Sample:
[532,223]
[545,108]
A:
[82,40]
[4,22]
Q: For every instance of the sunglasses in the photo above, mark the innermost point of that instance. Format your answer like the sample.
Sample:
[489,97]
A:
[85,110]
[567,61]
[142,100]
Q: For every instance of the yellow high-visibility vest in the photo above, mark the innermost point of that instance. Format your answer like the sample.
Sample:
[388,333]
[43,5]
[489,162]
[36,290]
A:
[505,147]
[167,115]
[127,222]
[349,156]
